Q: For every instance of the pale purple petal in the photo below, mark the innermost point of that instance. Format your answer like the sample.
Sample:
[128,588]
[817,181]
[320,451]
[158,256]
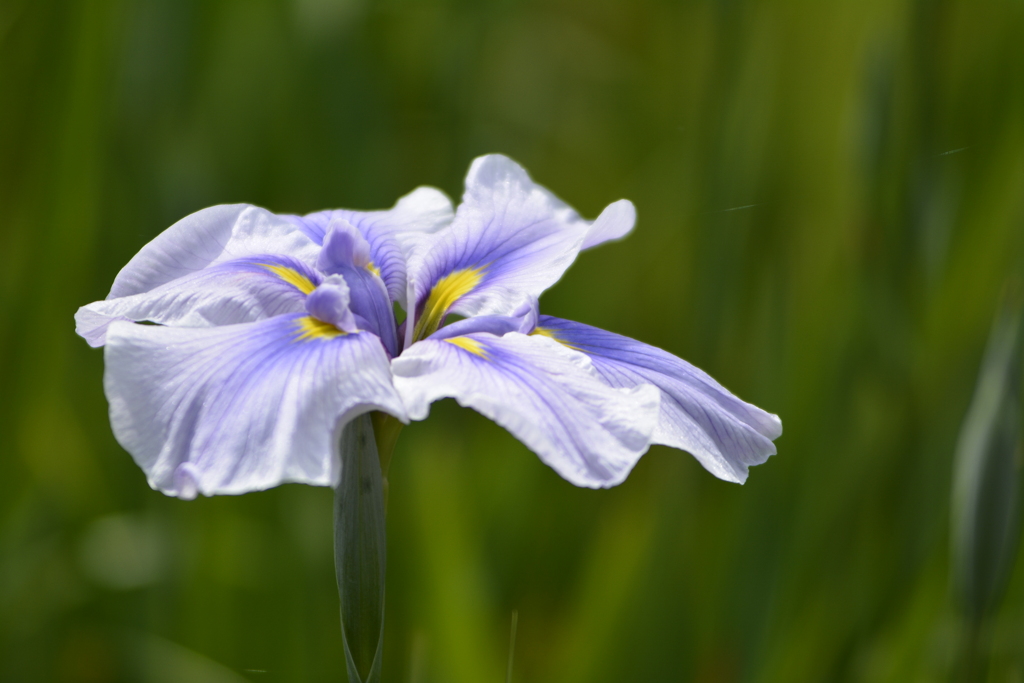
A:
[498,325]
[546,395]
[343,247]
[370,302]
[614,223]
[330,303]
[242,290]
[389,233]
[698,414]
[347,253]
[510,240]
[241,407]
[522,320]
[210,236]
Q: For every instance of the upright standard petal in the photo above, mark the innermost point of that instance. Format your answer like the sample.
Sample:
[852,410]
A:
[241,407]
[347,253]
[511,239]
[390,233]
[549,397]
[210,236]
[237,291]
[698,414]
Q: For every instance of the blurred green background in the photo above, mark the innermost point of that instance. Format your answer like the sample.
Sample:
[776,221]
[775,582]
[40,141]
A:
[830,200]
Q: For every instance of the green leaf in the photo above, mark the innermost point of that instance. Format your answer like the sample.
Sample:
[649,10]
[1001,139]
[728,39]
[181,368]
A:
[986,479]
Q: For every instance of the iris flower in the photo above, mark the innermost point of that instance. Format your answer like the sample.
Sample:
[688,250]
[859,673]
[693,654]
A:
[272,332]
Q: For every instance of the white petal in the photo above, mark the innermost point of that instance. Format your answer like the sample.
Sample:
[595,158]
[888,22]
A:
[510,240]
[546,395]
[237,291]
[698,415]
[391,233]
[615,222]
[212,235]
[240,407]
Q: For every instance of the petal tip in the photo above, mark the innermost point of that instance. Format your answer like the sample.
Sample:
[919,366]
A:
[493,169]
[426,199]
[615,222]
[92,326]
[186,482]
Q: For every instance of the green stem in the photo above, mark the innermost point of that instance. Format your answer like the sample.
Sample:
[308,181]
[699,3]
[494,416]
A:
[386,429]
[360,550]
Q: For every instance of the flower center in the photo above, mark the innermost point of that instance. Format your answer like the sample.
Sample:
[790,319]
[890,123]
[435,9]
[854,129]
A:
[443,296]
[311,328]
[292,277]
[468,344]
[551,334]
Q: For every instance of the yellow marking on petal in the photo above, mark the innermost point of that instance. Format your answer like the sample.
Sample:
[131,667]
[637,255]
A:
[469,344]
[292,277]
[311,328]
[373,269]
[443,296]
[551,334]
